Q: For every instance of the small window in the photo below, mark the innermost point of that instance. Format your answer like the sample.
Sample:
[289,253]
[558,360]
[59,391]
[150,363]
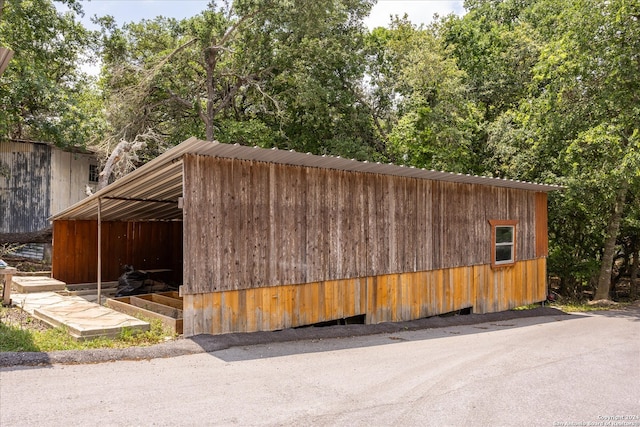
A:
[93,173]
[503,243]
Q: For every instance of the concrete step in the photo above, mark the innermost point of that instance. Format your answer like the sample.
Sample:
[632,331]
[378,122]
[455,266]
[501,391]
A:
[83,319]
[30,284]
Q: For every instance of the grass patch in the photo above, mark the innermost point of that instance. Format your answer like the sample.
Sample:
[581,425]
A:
[583,307]
[21,336]
[527,307]
[13,338]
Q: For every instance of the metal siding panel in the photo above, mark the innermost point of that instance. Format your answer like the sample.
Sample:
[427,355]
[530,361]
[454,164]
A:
[24,191]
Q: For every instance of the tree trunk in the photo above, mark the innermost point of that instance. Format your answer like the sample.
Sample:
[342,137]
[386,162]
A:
[114,157]
[120,153]
[210,61]
[604,278]
[40,236]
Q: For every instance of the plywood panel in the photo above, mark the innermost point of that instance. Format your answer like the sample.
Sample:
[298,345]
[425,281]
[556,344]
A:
[75,249]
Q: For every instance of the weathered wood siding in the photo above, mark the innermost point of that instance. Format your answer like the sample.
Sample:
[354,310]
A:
[385,298]
[69,178]
[145,245]
[253,225]
[25,171]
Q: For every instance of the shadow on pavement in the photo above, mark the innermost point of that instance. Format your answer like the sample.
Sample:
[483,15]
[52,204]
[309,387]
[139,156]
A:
[313,339]
[316,339]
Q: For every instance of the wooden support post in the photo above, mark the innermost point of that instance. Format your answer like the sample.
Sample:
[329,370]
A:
[99,278]
[7,272]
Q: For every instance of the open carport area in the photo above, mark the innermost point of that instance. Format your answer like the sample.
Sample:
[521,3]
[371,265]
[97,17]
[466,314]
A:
[552,370]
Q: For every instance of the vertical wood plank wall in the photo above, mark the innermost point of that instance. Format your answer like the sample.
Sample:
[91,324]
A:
[384,298]
[250,224]
[145,245]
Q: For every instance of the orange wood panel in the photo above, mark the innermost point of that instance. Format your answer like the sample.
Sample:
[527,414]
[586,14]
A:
[394,297]
[207,312]
[541,226]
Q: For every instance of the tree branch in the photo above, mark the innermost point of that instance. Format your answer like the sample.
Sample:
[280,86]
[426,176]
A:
[40,236]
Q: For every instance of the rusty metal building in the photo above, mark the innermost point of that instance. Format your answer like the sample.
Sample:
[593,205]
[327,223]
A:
[269,239]
[38,179]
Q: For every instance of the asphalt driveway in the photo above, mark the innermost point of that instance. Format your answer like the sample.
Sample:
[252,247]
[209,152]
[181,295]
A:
[552,369]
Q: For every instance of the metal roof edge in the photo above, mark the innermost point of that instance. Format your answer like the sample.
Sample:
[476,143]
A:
[292,157]
[70,149]
[196,146]
[168,156]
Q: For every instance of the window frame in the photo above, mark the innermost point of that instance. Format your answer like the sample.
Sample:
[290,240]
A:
[95,173]
[495,224]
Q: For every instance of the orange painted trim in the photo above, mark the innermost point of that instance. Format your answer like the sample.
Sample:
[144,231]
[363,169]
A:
[497,223]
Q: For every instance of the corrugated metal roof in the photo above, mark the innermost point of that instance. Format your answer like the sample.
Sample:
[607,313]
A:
[152,191]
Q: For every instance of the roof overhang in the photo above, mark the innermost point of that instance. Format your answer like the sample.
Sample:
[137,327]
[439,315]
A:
[151,192]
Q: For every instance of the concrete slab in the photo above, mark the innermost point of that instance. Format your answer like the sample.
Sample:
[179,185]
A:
[83,319]
[28,284]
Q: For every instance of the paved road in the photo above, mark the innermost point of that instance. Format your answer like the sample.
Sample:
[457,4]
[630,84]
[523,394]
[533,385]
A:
[544,371]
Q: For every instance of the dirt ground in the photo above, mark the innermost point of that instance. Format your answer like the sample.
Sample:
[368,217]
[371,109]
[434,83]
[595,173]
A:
[15,316]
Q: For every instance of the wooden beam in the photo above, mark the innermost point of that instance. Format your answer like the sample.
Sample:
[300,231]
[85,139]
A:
[8,273]
[133,199]
[122,305]
[171,302]
[156,307]
[5,53]
[40,236]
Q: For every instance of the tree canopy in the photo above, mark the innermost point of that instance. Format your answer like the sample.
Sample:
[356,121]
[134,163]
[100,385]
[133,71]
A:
[538,90]
[44,95]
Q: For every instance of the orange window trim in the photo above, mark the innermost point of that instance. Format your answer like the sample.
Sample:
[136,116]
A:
[497,223]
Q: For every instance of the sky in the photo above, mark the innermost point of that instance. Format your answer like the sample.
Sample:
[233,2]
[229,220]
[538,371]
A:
[419,11]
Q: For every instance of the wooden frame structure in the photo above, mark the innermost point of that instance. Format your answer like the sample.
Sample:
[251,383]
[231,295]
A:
[269,239]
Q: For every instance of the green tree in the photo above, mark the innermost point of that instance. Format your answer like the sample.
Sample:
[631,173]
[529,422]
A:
[272,73]
[497,49]
[590,66]
[419,95]
[576,122]
[43,95]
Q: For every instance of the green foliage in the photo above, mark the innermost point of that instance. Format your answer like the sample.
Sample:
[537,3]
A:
[557,80]
[430,120]
[267,73]
[22,337]
[43,95]
[578,307]
[497,50]
[16,339]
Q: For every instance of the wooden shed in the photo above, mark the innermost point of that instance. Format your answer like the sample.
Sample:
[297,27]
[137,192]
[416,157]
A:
[270,239]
